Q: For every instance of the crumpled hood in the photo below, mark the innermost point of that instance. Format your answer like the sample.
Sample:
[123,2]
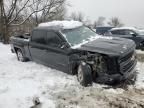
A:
[114,46]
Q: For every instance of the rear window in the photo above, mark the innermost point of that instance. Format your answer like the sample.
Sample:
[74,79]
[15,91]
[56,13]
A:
[116,32]
[102,30]
[53,39]
[39,36]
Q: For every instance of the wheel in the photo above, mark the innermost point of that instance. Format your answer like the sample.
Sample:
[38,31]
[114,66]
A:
[20,56]
[84,74]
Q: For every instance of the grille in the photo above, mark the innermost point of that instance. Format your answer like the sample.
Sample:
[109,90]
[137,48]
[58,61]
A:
[127,62]
[126,57]
[128,66]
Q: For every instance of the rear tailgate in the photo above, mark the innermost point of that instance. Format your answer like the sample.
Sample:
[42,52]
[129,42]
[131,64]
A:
[17,42]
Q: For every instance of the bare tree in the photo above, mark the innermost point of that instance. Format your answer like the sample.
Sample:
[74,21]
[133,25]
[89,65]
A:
[115,22]
[17,12]
[80,17]
[77,16]
[73,16]
[56,11]
[1,18]
[99,22]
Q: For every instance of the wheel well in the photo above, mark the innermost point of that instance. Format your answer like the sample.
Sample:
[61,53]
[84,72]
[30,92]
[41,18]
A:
[74,68]
[16,49]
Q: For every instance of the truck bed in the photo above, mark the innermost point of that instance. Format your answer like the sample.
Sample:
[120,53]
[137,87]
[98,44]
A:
[21,37]
[20,40]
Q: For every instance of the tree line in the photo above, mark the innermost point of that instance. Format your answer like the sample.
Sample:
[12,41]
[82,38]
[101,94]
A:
[101,21]
[16,14]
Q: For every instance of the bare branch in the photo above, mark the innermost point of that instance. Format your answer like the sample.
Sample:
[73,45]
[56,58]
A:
[115,22]
[28,17]
[12,9]
[18,12]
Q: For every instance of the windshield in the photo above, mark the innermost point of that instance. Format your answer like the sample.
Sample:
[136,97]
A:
[78,35]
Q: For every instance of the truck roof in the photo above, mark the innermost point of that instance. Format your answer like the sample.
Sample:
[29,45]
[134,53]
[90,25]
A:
[59,25]
[48,28]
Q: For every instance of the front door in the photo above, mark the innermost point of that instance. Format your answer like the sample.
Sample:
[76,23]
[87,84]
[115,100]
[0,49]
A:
[45,48]
[55,55]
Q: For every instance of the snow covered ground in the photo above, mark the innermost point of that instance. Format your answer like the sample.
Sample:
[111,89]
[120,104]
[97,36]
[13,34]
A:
[21,82]
[140,52]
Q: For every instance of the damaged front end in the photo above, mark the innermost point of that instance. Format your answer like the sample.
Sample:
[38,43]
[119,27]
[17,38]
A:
[110,69]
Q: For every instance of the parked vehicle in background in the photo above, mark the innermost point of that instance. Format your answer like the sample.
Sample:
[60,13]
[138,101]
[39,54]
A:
[70,47]
[102,30]
[130,33]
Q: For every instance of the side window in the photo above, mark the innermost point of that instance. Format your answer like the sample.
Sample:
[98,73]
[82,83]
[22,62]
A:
[39,36]
[129,32]
[118,32]
[115,32]
[122,32]
[53,39]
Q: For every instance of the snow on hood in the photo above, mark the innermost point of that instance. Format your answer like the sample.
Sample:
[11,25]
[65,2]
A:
[90,39]
[63,24]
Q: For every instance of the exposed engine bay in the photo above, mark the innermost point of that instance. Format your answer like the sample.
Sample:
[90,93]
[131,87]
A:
[97,62]
[104,69]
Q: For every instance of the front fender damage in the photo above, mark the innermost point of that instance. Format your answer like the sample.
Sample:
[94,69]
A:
[105,69]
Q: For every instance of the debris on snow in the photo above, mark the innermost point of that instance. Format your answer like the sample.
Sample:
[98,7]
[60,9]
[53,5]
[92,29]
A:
[139,52]
[37,103]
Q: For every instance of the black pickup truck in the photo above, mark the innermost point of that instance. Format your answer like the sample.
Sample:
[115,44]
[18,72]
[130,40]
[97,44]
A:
[78,51]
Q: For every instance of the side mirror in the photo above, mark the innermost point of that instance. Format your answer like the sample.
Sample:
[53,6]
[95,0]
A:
[64,45]
[133,34]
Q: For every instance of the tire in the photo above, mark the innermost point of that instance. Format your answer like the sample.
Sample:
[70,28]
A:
[84,74]
[20,56]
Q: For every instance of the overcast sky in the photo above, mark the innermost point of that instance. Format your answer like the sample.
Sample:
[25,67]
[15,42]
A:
[131,12]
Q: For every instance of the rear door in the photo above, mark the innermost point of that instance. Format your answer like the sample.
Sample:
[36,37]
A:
[117,33]
[130,34]
[122,33]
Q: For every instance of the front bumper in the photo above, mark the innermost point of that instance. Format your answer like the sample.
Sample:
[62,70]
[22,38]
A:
[126,71]
[117,78]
